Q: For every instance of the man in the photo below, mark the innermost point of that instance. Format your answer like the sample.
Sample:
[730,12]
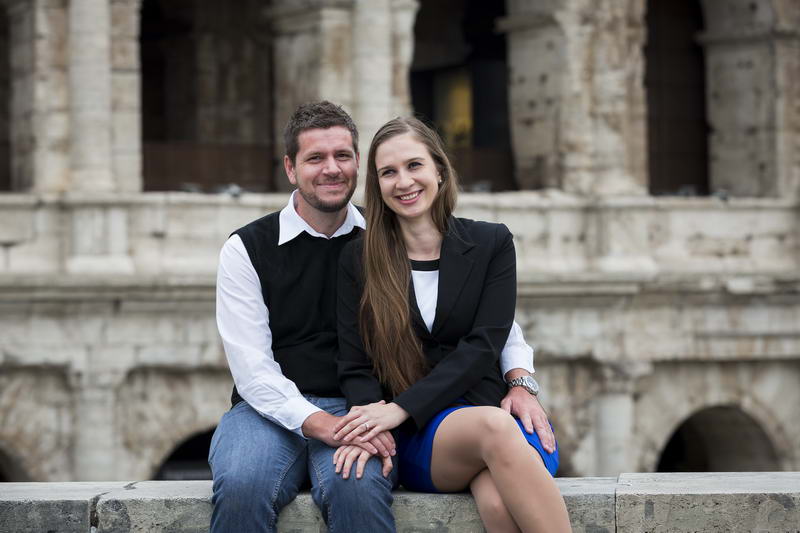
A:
[276,313]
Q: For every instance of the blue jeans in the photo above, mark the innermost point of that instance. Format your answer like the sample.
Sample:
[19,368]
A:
[258,467]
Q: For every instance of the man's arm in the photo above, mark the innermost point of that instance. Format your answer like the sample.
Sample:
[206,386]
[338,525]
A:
[516,360]
[243,322]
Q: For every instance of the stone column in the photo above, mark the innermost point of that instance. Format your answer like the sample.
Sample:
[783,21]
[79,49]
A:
[576,94]
[312,59]
[404,15]
[90,96]
[614,422]
[126,109]
[39,110]
[97,447]
[752,52]
[372,68]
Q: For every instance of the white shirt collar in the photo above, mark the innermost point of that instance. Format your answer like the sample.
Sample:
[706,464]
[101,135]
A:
[292,224]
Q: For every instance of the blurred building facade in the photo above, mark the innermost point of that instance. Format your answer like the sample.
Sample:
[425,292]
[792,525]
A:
[646,156]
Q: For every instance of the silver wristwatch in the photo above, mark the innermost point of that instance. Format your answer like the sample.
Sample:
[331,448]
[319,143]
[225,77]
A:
[526,382]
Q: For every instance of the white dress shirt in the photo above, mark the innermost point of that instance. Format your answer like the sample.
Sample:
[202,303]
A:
[243,322]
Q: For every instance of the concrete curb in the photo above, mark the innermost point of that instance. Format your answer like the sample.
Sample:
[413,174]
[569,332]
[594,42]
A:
[736,502]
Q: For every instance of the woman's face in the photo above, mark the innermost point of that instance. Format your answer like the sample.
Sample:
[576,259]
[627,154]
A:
[407,176]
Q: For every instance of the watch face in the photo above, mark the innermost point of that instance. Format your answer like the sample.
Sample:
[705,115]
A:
[531,384]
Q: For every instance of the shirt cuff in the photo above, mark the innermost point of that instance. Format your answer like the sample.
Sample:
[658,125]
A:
[294,412]
[517,356]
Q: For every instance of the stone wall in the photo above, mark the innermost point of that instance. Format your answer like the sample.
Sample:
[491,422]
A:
[646,312]
[619,296]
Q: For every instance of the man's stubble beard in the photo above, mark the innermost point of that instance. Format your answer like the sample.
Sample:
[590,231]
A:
[314,201]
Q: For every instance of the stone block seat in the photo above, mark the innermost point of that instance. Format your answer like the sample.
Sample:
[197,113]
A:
[735,502]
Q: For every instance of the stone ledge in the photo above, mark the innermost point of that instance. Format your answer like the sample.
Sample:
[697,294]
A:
[736,502]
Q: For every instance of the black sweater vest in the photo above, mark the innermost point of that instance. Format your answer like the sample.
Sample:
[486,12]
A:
[298,282]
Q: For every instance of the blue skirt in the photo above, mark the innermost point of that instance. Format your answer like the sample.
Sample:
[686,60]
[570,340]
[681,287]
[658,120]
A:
[414,451]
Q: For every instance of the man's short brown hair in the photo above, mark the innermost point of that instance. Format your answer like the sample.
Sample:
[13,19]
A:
[316,115]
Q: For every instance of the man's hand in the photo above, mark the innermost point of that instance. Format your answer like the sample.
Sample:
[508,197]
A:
[320,426]
[527,408]
[345,455]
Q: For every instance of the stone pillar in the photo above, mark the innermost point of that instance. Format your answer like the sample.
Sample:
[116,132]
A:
[614,422]
[97,448]
[404,15]
[312,60]
[752,52]
[90,96]
[576,94]
[126,109]
[39,110]
[372,69]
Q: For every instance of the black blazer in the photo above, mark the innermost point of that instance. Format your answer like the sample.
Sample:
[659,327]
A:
[474,314]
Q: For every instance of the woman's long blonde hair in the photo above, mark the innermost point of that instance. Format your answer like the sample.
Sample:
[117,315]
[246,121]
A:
[384,313]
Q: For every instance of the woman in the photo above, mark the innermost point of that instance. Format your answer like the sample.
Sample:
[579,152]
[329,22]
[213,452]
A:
[433,349]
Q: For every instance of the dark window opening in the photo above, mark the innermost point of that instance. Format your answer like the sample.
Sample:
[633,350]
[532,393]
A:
[5,104]
[205,88]
[719,439]
[189,460]
[676,107]
[459,83]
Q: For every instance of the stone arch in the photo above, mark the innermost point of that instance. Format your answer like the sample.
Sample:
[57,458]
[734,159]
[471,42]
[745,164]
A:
[188,460]
[459,82]
[159,409]
[721,438]
[206,96]
[5,99]
[660,409]
[677,124]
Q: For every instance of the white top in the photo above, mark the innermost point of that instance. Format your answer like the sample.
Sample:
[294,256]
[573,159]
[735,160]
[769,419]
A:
[243,322]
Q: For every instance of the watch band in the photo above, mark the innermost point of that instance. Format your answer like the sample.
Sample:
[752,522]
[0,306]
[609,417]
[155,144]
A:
[527,383]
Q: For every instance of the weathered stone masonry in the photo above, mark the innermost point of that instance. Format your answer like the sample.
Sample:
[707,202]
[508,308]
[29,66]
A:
[649,313]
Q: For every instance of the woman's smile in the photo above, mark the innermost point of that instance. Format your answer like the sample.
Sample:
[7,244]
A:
[407,176]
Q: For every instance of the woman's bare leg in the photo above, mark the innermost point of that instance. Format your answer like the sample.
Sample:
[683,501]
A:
[494,513]
[472,439]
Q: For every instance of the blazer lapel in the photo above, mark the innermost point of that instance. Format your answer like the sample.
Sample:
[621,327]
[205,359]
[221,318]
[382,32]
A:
[454,269]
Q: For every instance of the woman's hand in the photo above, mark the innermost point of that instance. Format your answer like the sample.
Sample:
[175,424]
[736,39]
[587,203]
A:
[366,421]
[344,456]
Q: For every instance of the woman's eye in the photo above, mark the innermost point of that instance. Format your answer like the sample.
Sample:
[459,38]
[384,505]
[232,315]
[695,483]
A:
[414,164]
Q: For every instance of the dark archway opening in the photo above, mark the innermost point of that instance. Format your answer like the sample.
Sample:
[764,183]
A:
[206,96]
[10,470]
[459,81]
[719,439]
[5,103]
[189,460]
[677,125]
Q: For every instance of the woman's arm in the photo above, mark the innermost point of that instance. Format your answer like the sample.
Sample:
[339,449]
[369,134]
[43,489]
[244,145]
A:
[356,377]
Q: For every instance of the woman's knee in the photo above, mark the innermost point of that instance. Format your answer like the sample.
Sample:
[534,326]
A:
[493,422]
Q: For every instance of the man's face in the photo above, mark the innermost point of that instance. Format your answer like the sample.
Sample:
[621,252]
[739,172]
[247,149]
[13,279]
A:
[325,169]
